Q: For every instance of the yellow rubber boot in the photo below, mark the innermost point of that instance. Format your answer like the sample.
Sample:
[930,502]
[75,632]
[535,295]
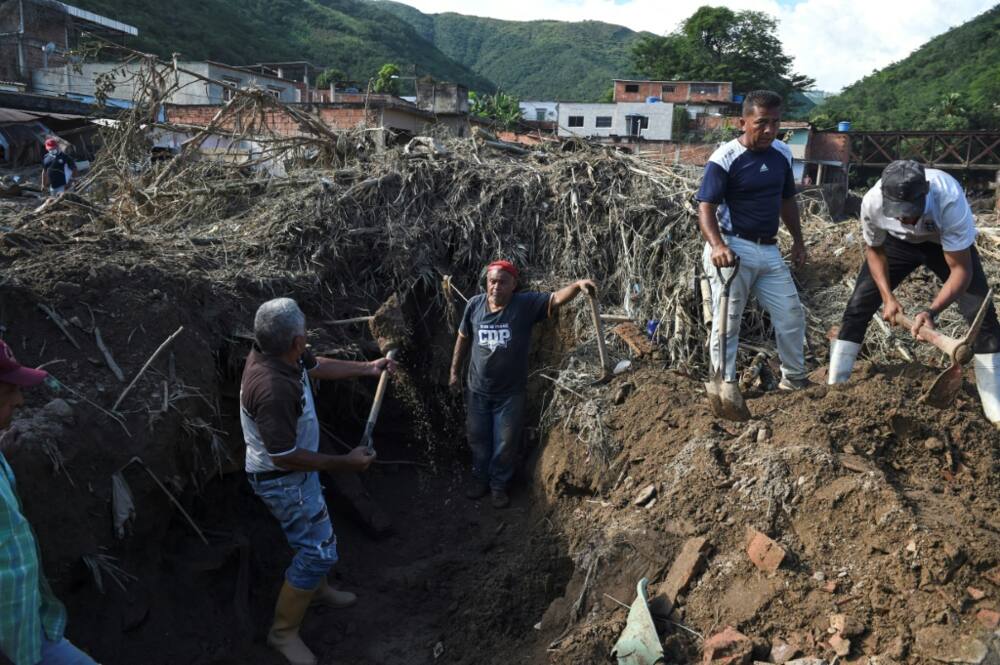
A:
[288,614]
[330,597]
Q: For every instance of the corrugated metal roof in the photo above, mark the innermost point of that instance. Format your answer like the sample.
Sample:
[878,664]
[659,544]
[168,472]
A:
[83,14]
[15,115]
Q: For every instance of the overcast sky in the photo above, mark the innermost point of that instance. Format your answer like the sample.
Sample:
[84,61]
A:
[834,41]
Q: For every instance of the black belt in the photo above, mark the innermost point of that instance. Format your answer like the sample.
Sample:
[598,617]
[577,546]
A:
[760,241]
[268,475]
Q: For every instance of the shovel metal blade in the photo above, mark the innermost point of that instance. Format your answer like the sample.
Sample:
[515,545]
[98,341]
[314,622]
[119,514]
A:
[945,388]
[725,400]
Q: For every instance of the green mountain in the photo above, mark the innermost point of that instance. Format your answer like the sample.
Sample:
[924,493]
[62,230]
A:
[355,36]
[919,91]
[548,60]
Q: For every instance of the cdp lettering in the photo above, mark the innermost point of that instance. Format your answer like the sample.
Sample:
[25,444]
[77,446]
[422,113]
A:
[494,336]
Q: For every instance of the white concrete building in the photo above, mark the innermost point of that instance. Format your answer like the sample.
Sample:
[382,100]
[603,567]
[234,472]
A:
[540,111]
[653,122]
[66,81]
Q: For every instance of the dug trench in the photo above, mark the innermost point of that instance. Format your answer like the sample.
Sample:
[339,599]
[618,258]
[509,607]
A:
[877,514]
[438,576]
[885,510]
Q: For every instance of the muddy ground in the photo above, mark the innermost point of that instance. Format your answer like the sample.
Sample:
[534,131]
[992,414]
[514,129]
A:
[887,509]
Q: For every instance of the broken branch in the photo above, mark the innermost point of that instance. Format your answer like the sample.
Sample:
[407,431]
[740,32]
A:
[156,354]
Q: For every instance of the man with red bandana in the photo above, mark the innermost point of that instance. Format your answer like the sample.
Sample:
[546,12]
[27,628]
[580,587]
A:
[497,326]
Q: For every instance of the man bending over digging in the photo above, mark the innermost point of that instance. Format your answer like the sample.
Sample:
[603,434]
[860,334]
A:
[497,325]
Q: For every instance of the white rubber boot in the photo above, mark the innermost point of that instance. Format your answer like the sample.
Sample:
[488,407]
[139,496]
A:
[842,357]
[988,383]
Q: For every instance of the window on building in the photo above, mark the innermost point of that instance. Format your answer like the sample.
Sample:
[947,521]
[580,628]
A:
[540,114]
[631,87]
[635,123]
[603,121]
[704,88]
[576,121]
[229,87]
[275,91]
[667,88]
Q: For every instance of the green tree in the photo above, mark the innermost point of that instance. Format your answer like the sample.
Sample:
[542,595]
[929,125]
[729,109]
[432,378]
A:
[914,92]
[948,114]
[384,81]
[503,109]
[330,75]
[607,96]
[718,44]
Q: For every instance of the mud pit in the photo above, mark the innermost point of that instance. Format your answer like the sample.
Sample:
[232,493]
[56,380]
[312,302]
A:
[887,510]
[892,503]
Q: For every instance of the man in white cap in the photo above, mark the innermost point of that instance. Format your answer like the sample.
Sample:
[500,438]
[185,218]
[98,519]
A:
[917,217]
[32,620]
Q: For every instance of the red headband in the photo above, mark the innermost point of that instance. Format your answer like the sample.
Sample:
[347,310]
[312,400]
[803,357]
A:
[506,266]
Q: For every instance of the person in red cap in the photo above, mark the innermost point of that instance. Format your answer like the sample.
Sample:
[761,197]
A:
[32,620]
[497,326]
[58,168]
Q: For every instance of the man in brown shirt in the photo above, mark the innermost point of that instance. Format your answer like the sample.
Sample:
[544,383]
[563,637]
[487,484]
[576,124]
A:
[281,431]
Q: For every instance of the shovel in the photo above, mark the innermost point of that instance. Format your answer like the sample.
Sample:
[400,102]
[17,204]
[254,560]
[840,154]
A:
[723,396]
[366,438]
[595,312]
[946,386]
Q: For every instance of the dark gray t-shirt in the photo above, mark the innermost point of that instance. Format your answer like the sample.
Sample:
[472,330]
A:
[501,340]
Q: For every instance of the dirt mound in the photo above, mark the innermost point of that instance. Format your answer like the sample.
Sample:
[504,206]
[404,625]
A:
[886,510]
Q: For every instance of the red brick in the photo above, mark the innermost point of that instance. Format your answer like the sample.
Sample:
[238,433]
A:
[830,586]
[993,575]
[846,625]
[730,647]
[988,618]
[840,645]
[685,566]
[764,552]
[974,593]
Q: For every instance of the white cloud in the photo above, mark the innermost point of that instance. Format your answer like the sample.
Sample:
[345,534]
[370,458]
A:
[834,41]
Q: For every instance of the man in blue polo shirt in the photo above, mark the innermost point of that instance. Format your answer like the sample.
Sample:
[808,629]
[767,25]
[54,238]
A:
[748,185]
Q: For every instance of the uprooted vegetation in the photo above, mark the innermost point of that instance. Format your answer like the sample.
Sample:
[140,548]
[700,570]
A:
[886,509]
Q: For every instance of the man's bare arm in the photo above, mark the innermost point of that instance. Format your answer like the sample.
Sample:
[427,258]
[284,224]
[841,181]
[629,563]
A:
[960,265]
[722,255]
[306,460]
[458,355]
[792,221]
[567,293]
[878,266]
[331,369]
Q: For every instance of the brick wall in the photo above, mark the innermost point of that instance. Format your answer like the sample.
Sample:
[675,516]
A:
[523,138]
[708,122]
[275,121]
[345,118]
[682,92]
[668,152]
[41,26]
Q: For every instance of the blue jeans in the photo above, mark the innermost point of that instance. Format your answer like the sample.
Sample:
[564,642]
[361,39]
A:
[296,500]
[493,426]
[62,653]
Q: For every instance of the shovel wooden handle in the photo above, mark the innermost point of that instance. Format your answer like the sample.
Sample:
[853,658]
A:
[383,381]
[596,315]
[947,344]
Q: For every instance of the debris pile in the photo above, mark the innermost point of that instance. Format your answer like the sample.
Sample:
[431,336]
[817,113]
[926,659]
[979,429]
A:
[836,524]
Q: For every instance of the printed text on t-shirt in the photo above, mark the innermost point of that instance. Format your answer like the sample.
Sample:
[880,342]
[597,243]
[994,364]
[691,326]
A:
[494,336]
